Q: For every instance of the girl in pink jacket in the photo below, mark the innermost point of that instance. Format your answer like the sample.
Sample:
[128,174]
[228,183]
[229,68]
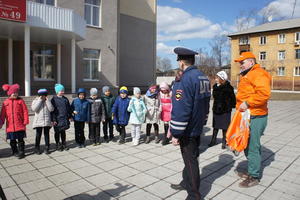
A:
[165,95]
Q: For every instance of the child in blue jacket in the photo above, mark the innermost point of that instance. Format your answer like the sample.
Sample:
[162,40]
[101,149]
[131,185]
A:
[120,114]
[81,113]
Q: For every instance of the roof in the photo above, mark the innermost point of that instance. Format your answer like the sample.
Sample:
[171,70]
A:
[271,26]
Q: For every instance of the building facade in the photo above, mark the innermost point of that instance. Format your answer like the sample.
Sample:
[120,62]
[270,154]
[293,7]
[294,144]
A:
[276,46]
[79,43]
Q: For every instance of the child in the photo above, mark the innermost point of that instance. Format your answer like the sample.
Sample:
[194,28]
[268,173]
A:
[42,107]
[120,114]
[81,111]
[97,115]
[153,113]
[165,108]
[138,111]
[60,116]
[108,99]
[15,112]
[224,101]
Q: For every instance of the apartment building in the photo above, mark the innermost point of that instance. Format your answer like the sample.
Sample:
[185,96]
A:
[277,49]
[79,43]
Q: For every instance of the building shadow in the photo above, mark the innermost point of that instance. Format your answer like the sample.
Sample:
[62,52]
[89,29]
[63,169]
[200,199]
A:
[225,161]
[103,195]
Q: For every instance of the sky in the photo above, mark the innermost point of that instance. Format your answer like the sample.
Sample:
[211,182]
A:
[194,23]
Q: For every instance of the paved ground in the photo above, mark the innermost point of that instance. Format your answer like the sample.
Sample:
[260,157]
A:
[112,171]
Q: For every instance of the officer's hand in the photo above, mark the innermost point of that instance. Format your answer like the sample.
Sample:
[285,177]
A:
[243,107]
[175,141]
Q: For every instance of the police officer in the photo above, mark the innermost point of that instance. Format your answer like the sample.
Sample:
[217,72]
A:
[190,101]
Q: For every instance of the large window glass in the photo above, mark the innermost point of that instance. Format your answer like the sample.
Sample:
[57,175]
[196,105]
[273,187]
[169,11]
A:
[281,55]
[280,71]
[48,2]
[297,51]
[92,12]
[43,62]
[244,40]
[91,64]
[281,38]
[262,55]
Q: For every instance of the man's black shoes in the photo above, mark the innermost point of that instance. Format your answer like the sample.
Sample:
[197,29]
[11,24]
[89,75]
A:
[177,187]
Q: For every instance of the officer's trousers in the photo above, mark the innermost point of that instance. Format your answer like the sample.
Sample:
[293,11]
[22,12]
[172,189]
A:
[190,152]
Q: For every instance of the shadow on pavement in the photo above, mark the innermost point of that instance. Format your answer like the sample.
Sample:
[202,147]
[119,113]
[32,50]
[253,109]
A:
[103,195]
[208,172]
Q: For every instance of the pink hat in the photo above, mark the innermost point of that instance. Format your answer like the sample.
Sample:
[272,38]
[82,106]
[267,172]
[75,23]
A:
[164,86]
[11,88]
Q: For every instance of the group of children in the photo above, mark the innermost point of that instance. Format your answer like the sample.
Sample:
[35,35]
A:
[154,107]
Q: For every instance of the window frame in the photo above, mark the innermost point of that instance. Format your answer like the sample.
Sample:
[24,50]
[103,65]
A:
[284,38]
[297,33]
[244,43]
[278,70]
[90,79]
[281,51]
[297,53]
[295,69]
[260,55]
[91,11]
[260,40]
[45,3]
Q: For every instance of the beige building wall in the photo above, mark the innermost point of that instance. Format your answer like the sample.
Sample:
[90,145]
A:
[143,9]
[272,47]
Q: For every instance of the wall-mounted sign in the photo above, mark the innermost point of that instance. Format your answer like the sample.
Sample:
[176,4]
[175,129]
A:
[13,10]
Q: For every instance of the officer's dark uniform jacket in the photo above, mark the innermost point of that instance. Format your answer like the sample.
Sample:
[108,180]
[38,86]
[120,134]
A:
[190,103]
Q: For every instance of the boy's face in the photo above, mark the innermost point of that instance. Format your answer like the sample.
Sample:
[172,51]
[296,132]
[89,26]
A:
[123,95]
[107,93]
[94,96]
[137,95]
[14,95]
[81,95]
[61,93]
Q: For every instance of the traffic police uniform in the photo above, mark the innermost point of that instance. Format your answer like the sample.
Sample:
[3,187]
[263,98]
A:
[190,102]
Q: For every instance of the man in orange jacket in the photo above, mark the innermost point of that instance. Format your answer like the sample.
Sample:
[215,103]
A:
[253,93]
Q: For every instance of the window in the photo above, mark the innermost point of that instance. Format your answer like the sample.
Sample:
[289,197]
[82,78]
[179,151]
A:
[244,40]
[281,55]
[297,37]
[43,62]
[48,2]
[263,40]
[92,12]
[281,38]
[297,71]
[262,55]
[280,71]
[297,53]
[91,64]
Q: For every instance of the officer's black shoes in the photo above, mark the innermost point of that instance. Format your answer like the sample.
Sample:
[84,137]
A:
[177,186]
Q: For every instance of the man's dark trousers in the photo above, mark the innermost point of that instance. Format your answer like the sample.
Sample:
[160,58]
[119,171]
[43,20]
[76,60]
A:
[189,147]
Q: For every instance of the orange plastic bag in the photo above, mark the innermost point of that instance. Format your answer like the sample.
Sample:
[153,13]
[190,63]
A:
[238,131]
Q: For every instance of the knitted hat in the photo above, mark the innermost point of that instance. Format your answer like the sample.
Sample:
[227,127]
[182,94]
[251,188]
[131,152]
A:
[222,75]
[164,86]
[59,87]
[136,90]
[81,90]
[42,91]
[10,89]
[123,89]
[93,91]
[105,89]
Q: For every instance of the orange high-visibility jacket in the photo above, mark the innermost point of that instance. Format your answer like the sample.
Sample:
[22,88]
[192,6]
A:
[255,89]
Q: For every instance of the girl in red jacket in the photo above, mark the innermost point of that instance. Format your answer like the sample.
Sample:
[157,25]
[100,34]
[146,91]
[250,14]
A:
[15,112]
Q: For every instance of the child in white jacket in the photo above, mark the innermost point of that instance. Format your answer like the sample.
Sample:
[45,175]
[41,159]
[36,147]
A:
[138,112]
[42,107]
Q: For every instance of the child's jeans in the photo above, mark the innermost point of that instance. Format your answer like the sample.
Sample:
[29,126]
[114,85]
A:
[39,131]
[136,131]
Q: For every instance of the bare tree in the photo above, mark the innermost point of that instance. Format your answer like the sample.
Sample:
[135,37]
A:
[220,49]
[163,64]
